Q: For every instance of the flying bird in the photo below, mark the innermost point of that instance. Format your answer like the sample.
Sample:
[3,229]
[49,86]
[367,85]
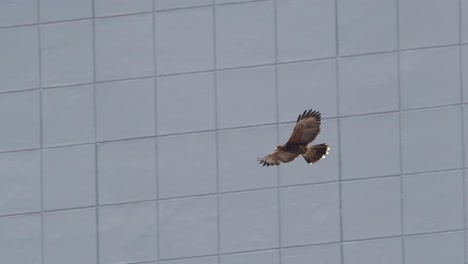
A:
[306,130]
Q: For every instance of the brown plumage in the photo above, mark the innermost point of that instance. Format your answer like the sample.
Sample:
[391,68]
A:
[306,130]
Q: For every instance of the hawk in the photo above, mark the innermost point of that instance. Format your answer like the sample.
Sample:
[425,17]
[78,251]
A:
[306,130]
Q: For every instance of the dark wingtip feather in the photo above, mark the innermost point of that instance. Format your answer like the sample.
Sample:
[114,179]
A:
[261,161]
[310,113]
[301,116]
[265,163]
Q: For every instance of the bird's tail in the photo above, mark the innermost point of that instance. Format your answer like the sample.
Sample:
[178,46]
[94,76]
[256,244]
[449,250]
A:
[316,152]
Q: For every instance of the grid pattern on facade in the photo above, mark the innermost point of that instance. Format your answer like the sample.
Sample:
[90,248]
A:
[130,131]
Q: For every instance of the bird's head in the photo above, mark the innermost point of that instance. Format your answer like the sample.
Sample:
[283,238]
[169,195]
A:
[279,147]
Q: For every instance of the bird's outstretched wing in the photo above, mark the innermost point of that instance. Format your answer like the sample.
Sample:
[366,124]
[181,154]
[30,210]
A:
[277,157]
[307,128]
